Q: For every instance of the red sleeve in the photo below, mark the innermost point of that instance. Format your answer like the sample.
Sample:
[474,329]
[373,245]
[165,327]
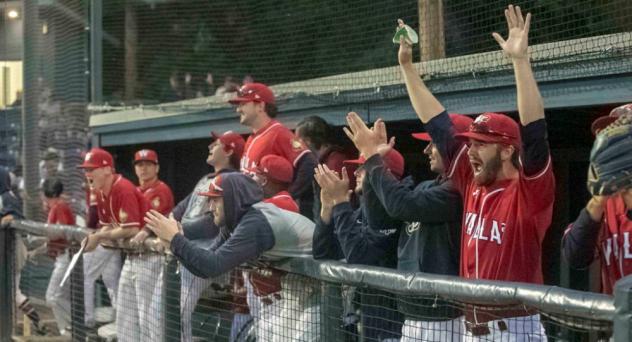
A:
[289,146]
[127,207]
[162,199]
[460,171]
[65,215]
[540,194]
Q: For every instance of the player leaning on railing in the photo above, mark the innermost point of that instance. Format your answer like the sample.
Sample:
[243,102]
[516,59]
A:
[253,232]
[121,208]
[504,173]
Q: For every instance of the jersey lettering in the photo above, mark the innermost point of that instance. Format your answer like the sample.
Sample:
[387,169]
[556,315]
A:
[487,232]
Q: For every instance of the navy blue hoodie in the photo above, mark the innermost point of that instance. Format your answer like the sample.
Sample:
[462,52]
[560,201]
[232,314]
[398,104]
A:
[192,212]
[367,235]
[430,236]
[252,230]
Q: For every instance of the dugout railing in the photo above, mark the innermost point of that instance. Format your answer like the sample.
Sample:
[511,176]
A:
[353,302]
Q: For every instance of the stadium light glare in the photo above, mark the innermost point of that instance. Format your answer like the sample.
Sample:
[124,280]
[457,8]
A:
[13,14]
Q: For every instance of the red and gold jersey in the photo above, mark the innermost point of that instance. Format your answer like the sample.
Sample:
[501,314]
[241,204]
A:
[503,224]
[275,139]
[283,200]
[159,196]
[60,213]
[615,238]
[124,206]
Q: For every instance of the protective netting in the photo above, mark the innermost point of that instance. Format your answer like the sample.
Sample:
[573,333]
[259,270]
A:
[128,53]
[56,80]
[165,51]
[160,300]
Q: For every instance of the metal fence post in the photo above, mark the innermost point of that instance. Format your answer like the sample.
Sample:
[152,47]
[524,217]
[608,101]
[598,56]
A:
[331,312]
[623,310]
[171,299]
[7,267]
[77,309]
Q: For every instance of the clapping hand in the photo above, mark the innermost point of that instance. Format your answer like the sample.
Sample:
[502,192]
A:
[164,227]
[334,187]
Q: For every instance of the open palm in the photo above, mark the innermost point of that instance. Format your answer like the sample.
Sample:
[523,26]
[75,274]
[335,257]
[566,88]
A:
[517,43]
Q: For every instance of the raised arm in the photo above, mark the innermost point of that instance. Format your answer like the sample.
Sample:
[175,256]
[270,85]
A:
[425,104]
[516,47]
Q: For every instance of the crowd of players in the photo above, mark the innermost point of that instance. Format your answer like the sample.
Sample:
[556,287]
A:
[280,195]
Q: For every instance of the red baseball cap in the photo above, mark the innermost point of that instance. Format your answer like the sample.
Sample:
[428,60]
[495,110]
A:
[393,159]
[493,128]
[275,167]
[146,155]
[605,120]
[257,92]
[214,189]
[232,141]
[460,122]
[96,158]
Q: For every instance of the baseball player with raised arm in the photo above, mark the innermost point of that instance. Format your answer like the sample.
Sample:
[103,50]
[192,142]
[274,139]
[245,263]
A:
[603,228]
[160,198]
[503,171]
[257,109]
[121,208]
[430,235]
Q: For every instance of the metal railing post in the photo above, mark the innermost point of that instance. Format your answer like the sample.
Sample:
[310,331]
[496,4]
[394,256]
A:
[331,312]
[622,321]
[77,308]
[7,268]
[171,299]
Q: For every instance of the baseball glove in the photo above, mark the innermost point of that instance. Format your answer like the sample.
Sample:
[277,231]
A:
[611,159]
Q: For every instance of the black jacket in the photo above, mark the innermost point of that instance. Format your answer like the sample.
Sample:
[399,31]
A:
[9,203]
[429,240]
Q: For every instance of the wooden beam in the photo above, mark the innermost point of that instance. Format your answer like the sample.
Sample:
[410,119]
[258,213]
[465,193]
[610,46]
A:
[431,35]
[131,44]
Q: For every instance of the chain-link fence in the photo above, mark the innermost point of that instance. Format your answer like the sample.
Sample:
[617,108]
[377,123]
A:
[303,300]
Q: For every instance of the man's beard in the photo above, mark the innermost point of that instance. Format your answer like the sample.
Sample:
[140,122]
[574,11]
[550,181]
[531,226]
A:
[489,171]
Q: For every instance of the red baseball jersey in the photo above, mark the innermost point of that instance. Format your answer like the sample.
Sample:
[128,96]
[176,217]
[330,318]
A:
[283,200]
[124,206]
[60,213]
[275,139]
[614,248]
[504,224]
[159,196]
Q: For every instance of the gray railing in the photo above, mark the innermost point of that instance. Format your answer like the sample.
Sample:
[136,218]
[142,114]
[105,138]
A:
[568,309]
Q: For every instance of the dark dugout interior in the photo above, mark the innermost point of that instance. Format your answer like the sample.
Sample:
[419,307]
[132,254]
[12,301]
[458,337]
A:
[183,163]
